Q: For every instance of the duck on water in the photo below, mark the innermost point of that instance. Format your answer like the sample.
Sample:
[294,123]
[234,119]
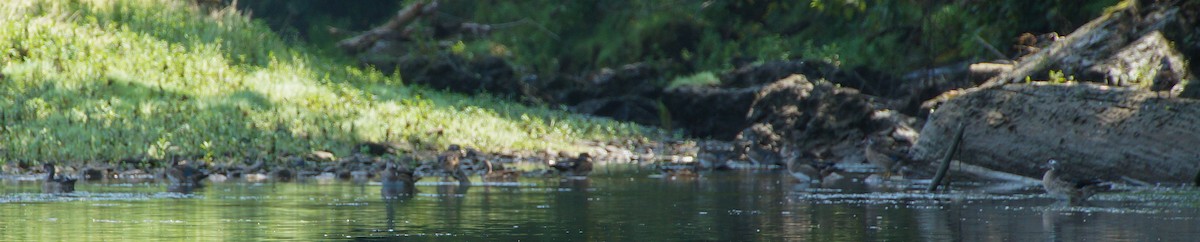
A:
[57,183]
[1067,186]
[184,178]
[578,167]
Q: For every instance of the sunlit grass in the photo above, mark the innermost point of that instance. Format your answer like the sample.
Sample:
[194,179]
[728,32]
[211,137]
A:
[106,80]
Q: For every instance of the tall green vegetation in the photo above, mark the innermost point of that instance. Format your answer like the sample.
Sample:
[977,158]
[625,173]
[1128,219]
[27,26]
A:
[693,36]
[698,36]
[106,80]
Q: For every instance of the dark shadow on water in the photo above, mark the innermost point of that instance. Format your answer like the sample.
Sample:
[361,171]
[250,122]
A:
[183,189]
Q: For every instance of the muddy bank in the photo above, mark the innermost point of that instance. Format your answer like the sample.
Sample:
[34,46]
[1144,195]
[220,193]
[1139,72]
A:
[374,157]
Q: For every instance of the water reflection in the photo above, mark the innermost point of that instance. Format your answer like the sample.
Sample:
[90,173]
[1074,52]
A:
[736,205]
[391,204]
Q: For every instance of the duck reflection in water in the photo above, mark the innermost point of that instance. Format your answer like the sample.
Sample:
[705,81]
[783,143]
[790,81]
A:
[57,183]
[1054,221]
[576,185]
[391,204]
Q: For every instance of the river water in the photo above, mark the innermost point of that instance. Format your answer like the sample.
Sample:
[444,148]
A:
[609,206]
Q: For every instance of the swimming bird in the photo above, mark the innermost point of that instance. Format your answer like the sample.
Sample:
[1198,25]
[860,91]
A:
[183,177]
[810,172]
[679,170]
[804,169]
[881,156]
[497,173]
[57,184]
[449,160]
[579,166]
[713,161]
[761,155]
[583,165]
[1064,185]
[95,172]
[397,182]
[282,174]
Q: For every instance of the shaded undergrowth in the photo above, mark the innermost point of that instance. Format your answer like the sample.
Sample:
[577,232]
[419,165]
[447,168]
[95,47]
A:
[688,37]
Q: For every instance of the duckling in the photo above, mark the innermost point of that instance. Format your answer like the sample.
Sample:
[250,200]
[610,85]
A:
[183,177]
[397,182]
[760,155]
[676,170]
[283,174]
[810,172]
[57,184]
[450,158]
[497,173]
[713,161]
[95,172]
[1062,185]
[376,148]
[449,161]
[804,169]
[579,166]
[881,156]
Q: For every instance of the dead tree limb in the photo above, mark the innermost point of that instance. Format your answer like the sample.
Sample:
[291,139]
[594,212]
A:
[394,26]
[945,166]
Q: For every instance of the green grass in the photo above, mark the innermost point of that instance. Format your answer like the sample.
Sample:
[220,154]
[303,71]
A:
[699,79]
[105,80]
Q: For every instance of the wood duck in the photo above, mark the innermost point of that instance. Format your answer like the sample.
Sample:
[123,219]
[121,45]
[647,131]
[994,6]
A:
[397,182]
[57,184]
[183,177]
[806,170]
[881,156]
[449,160]
[579,166]
[1063,185]
[497,173]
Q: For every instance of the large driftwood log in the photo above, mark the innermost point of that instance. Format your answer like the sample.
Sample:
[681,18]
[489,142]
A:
[1098,130]
[1122,48]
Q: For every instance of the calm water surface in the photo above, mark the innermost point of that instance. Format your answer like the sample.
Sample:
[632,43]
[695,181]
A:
[618,206]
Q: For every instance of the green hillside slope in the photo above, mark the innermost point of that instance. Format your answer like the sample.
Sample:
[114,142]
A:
[106,80]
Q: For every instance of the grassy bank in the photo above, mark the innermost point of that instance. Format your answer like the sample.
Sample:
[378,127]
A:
[105,80]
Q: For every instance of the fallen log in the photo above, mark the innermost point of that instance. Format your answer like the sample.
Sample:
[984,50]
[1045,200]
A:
[1125,47]
[1099,131]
